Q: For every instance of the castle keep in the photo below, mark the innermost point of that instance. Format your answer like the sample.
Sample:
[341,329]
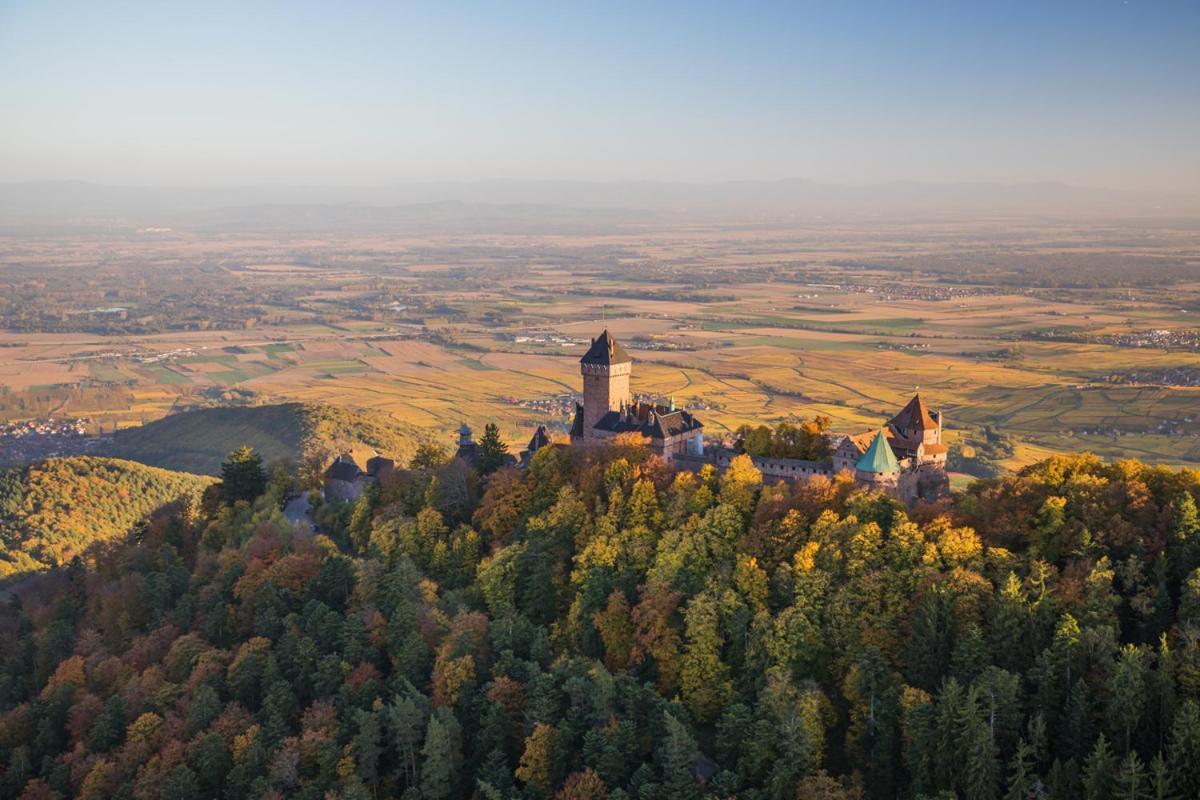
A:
[609,410]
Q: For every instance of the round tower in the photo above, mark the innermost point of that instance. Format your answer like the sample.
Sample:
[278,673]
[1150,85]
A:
[878,467]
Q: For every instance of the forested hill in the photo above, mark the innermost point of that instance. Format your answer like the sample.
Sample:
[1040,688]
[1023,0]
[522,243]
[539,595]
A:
[310,434]
[598,627]
[56,509]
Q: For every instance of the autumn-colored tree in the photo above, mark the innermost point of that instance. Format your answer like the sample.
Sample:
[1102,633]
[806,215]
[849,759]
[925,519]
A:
[583,785]
[537,765]
[655,636]
[615,626]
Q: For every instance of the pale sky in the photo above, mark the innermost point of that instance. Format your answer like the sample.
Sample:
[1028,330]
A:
[1102,92]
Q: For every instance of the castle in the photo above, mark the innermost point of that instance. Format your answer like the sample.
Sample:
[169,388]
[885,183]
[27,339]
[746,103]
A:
[345,480]
[904,457]
[609,410]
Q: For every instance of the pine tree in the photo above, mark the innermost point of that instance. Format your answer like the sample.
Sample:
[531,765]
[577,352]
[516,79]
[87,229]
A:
[929,647]
[1131,783]
[1183,752]
[1160,779]
[1021,777]
[1078,724]
[441,757]
[980,768]
[946,740]
[1008,627]
[368,746]
[1098,771]
[1163,698]
[242,476]
[1185,536]
[493,452]
[1127,694]
[406,718]
[676,754]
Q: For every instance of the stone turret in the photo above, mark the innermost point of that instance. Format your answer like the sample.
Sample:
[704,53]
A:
[467,450]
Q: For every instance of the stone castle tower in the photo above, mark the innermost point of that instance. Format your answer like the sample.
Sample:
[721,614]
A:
[605,368]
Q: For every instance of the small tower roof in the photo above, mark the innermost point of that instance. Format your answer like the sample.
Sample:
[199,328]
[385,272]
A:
[540,439]
[913,417]
[879,457]
[605,350]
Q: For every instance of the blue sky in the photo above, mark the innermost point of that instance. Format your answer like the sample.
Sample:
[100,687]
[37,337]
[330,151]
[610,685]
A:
[1103,92]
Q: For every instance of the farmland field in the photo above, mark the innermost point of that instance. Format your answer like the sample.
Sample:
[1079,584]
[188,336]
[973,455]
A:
[1043,337]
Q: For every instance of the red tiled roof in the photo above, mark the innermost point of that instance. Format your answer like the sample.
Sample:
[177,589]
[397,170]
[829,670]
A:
[913,417]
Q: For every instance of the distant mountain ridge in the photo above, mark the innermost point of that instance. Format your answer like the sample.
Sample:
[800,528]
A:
[555,201]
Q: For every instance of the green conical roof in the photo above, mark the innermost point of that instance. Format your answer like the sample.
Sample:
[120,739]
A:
[879,457]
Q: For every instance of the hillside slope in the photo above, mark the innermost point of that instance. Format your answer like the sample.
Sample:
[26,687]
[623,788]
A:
[309,434]
[56,509]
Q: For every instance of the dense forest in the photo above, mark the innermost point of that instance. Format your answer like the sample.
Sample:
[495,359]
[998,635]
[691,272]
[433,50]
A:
[597,626]
[52,511]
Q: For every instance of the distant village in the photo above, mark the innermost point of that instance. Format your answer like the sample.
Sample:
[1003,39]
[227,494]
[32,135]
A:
[1185,339]
[32,440]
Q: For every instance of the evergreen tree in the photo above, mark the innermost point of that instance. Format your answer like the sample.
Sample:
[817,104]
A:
[1131,783]
[1127,695]
[242,476]
[441,757]
[368,747]
[1185,536]
[493,452]
[676,755]
[979,769]
[1183,751]
[1160,779]
[1021,776]
[932,639]
[1098,771]
[406,719]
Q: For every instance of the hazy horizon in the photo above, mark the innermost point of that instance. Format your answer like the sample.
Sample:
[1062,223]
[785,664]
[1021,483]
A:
[1095,94]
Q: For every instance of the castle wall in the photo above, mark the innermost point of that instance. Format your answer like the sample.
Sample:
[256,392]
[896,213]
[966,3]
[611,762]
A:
[927,482]
[337,491]
[785,468]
